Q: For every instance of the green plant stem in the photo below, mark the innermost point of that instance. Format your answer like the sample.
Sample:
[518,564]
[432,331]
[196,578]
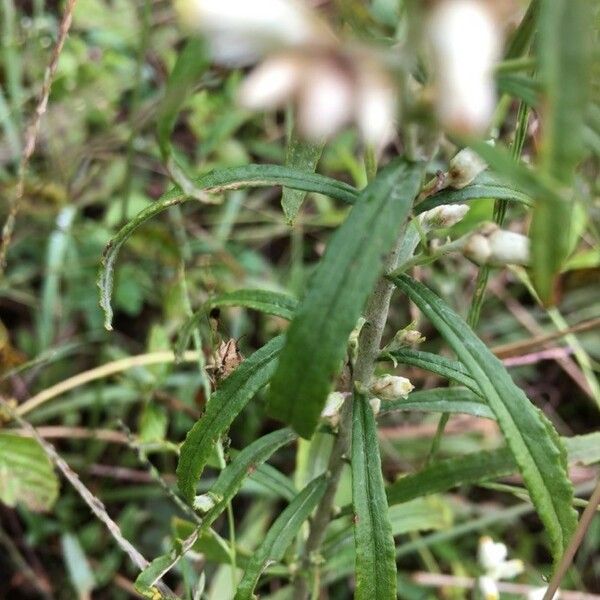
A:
[368,350]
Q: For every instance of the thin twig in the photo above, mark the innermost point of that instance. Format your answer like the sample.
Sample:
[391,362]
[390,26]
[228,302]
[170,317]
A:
[565,562]
[439,580]
[32,132]
[111,368]
[94,504]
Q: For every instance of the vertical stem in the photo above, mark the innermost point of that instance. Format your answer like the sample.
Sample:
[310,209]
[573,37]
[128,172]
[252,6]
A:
[376,314]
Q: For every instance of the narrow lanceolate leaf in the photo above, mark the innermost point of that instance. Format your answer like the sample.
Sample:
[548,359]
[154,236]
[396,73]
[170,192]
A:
[26,473]
[531,438]
[244,464]
[222,492]
[562,49]
[443,475]
[304,156]
[281,535]
[317,338]
[373,540]
[215,182]
[266,301]
[440,365]
[223,408]
[444,400]
[485,185]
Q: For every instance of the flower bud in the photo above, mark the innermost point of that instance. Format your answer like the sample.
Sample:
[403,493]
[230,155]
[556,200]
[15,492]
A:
[508,569]
[405,337]
[391,387]
[465,42]
[204,502]
[443,216]
[464,167]
[331,411]
[493,246]
[487,588]
[375,405]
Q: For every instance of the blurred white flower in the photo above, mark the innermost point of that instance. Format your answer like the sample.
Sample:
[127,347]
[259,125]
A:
[391,387]
[490,245]
[539,593]
[443,216]
[490,554]
[508,569]
[487,588]
[204,502]
[240,32]
[331,88]
[465,42]
[464,167]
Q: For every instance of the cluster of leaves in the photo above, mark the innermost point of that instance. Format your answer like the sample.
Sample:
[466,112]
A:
[222,242]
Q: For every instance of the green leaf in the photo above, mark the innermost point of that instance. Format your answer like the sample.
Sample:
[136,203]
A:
[223,408]
[444,400]
[266,301]
[230,479]
[520,86]
[446,474]
[562,53]
[281,535]
[78,567]
[440,365]
[485,185]
[373,540]
[530,436]
[26,473]
[215,182]
[317,338]
[304,156]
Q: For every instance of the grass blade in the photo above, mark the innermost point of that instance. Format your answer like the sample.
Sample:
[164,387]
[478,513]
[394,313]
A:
[225,405]
[530,436]
[317,338]
[281,535]
[374,543]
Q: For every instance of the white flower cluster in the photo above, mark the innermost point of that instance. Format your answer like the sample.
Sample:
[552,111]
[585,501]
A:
[333,84]
[492,558]
[490,245]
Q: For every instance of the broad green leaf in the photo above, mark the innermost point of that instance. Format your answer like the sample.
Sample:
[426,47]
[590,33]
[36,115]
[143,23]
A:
[26,473]
[281,535]
[215,182]
[317,338]
[304,156]
[223,408]
[530,436]
[562,41]
[374,543]
[485,185]
[266,301]
[444,400]
[440,365]
[449,473]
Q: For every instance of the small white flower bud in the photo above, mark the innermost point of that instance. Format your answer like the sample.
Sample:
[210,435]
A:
[539,593]
[443,216]
[204,502]
[497,247]
[375,405]
[332,407]
[465,43]
[391,387]
[405,337]
[487,588]
[464,167]
[491,554]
